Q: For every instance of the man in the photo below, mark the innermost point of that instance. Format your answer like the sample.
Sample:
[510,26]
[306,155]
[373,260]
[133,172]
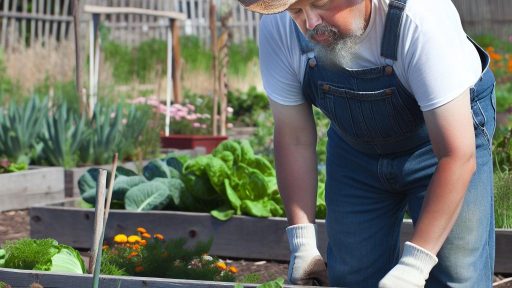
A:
[412,110]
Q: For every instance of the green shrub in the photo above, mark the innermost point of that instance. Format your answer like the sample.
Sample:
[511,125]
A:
[503,200]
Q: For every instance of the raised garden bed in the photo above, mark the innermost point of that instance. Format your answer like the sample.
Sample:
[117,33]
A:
[23,278]
[35,186]
[240,237]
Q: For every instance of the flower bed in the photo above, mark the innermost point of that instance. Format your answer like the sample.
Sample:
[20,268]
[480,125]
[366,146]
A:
[20,190]
[22,278]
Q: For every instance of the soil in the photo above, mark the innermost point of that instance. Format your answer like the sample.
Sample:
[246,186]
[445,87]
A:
[15,225]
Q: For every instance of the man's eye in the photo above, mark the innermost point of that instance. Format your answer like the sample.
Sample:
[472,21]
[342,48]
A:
[294,11]
[321,3]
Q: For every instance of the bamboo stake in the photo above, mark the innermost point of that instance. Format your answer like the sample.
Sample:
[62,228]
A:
[99,213]
[97,264]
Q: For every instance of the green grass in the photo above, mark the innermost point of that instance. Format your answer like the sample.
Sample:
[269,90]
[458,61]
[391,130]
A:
[503,200]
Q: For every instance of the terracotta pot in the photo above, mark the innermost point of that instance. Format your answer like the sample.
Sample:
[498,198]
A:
[177,141]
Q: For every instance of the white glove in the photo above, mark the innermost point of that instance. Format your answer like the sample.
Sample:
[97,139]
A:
[412,270]
[307,267]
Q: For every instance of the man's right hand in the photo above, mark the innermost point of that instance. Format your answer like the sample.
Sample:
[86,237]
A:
[307,267]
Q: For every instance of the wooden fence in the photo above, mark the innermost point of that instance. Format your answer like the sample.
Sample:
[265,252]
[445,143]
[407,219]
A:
[41,20]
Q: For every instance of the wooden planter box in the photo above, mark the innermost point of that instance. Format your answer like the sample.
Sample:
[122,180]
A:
[209,142]
[240,237]
[23,189]
[23,278]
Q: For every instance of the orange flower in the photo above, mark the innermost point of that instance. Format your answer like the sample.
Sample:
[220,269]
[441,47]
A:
[133,254]
[133,238]
[136,247]
[143,242]
[233,269]
[105,247]
[146,235]
[159,236]
[139,269]
[141,230]
[221,265]
[510,66]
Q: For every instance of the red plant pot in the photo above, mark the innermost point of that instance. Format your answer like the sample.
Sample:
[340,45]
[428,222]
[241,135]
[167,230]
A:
[178,141]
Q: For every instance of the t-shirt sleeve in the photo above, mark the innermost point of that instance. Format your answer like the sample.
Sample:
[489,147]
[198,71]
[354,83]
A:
[439,61]
[280,60]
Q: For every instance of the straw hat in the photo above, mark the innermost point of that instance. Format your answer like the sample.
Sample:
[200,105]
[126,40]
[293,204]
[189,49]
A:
[267,6]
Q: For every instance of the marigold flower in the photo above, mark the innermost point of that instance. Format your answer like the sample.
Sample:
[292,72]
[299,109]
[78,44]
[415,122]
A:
[141,230]
[133,238]
[233,269]
[143,242]
[146,235]
[221,265]
[136,247]
[159,236]
[120,238]
[133,254]
[139,269]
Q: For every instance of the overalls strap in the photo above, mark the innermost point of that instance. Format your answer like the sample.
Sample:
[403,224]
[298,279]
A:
[391,36]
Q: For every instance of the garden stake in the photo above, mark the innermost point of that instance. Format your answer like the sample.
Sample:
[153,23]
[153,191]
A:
[110,188]
[98,216]
[97,263]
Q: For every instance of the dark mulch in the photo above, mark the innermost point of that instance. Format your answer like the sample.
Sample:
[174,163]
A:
[15,225]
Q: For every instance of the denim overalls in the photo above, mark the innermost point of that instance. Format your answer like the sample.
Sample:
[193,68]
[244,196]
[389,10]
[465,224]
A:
[380,161]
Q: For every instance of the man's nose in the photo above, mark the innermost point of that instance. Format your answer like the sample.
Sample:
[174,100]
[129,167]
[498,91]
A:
[312,18]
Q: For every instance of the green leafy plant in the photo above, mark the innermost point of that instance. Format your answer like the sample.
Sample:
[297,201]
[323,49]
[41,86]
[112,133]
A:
[62,138]
[43,255]
[248,106]
[9,167]
[20,127]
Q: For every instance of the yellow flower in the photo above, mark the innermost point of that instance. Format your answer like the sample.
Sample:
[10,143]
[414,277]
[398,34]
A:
[134,238]
[233,269]
[146,235]
[141,230]
[120,238]
[159,236]
[221,265]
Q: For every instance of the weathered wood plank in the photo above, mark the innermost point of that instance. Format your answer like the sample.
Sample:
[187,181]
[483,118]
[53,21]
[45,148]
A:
[240,237]
[22,278]
[41,17]
[133,10]
[35,186]
[3,35]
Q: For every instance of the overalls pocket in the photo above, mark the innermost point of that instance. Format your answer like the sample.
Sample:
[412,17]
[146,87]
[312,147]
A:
[368,117]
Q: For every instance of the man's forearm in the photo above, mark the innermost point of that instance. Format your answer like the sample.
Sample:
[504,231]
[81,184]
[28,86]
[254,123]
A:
[442,203]
[296,167]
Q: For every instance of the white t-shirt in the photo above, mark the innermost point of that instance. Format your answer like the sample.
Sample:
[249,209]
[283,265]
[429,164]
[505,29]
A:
[436,62]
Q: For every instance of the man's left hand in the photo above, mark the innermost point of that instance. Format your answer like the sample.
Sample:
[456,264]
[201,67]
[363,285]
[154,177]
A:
[412,270]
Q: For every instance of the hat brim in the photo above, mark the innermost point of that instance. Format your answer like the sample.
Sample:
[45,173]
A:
[269,6]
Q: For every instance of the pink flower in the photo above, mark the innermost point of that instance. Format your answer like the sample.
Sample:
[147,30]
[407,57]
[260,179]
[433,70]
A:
[230,125]
[196,125]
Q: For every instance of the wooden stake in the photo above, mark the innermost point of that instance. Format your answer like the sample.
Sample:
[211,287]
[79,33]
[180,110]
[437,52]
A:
[78,57]
[99,214]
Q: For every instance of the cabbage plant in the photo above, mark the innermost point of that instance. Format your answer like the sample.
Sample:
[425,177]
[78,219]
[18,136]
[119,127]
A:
[42,255]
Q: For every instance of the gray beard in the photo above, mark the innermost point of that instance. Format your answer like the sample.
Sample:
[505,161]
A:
[340,54]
